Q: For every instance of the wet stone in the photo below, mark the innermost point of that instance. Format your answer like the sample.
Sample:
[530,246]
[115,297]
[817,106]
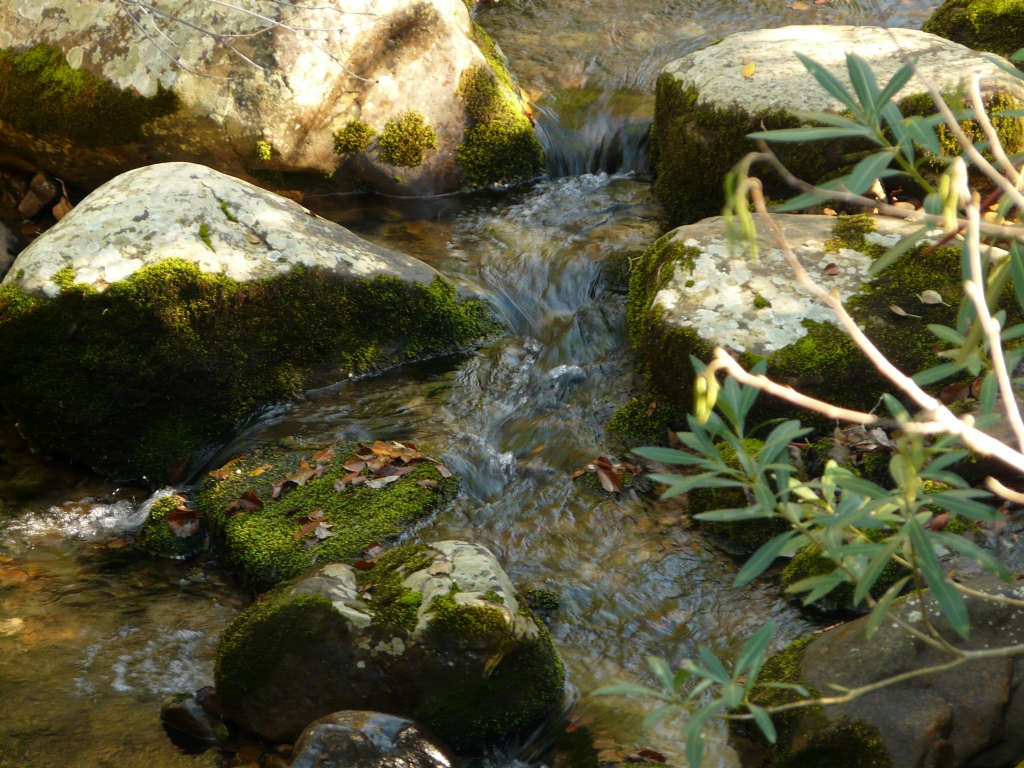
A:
[184,713]
[41,191]
[369,740]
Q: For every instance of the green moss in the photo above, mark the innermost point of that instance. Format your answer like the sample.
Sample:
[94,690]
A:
[807,738]
[494,597]
[740,538]
[405,141]
[499,146]
[492,55]
[541,599]
[353,138]
[64,277]
[395,605]
[850,232]
[631,426]
[262,151]
[984,25]
[155,536]
[41,94]
[760,302]
[140,376]
[263,546]
[227,212]
[694,146]
[204,235]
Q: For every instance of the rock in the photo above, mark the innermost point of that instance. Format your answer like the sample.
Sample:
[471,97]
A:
[690,295]
[8,249]
[319,109]
[41,191]
[984,25]
[265,545]
[175,300]
[156,536]
[433,632]
[705,107]
[369,740]
[963,717]
[184,713]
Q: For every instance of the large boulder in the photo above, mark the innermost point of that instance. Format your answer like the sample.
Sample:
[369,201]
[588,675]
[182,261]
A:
[984,25]
[403,96]
[692,291]
[174,301]
[369,740]
[433,632]
[705,106]
[968,716]
[327,513]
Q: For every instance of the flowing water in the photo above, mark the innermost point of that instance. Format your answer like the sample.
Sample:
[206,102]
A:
[93,633]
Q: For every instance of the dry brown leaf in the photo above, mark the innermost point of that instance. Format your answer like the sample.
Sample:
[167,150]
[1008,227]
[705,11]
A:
[380,482]
[829,212]
[953,393]
[939,521]
[260,470]
[611,481]
[652,408]
[117,544]
[930,297]
[578,473]
[976,388]
[896,309]
[354,465]
[250,502]
[340,483]
[538,449]
[363,450]
[648,755]
[377,463]
[302,475]
[183,522]
[13,576]
[831,269]
[62,209]
[612,755]
[673,438]
[362,565]
[799,5]
[748,69]
[326,454]
[220,474]
[427,483]
[307,529]
[606,744]
[323,531]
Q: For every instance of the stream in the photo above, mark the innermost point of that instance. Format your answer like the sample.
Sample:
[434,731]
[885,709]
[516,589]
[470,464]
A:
[93,634]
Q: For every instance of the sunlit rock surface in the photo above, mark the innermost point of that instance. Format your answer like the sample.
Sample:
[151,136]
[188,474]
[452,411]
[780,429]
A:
[369,740]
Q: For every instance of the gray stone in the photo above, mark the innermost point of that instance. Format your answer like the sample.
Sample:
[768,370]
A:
[41,191]
[437,633]
[150,214]
[8,249]
[185,714]
[369,740]
[968,717]
[361,60]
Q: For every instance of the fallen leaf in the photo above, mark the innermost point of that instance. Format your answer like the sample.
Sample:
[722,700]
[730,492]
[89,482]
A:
[578,473]
[307,529]
[183,522]
[831,269]
[955,392]
[373,551]
[363,450]
[260,470]
[538,449]
[358,479]
[327,454]
[445,472]
[829,211]
[612,756]
[799,5]
[250,502]
[380,482]
[13,576]
[652,408]
[362,565]
[117,544]
[748,69]
[11,626]
[427,483]
[377,463]
[610,478]
[939,521]
[62,209]
[302,475]
[976,388]
[340,483]
[354,465]
[606,744]
[220,474]
[930,297]
[673,438]
[395,471]
[896,309]
[649,755]
[276,489]
[323,531]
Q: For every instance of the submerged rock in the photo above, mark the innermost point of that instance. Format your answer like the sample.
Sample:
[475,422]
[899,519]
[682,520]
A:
[705,106]
[433,632]
[329,98]
[689,293]
[174,301]
[967,716]
[284,537]
[369,740]
[185,713]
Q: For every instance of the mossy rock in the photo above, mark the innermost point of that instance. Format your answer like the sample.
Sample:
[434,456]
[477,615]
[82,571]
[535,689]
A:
[742,537]
[265,547]
[420,634]
[199,309]
[705,107]
[984,25]
[690,293]
[155,535]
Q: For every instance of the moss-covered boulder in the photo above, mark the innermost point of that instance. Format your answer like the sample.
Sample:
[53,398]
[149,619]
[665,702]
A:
[705,106]
[967,716]
[174,301]
[86,94]
[161,534]
[278,539]
[984,25]
[690,292]
[434,632]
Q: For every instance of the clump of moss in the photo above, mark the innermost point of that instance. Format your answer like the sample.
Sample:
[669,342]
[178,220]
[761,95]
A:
[227,212]
[760,302]
[155,535]
[266,547]
[262,151]
[353,138]
[636,424]
[739,538]
[499,147]
[541,599]
[204,235]
[138,377]
[405,141]
[984,25]
[41,94]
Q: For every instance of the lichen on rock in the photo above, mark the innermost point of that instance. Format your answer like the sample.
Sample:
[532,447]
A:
[419,635]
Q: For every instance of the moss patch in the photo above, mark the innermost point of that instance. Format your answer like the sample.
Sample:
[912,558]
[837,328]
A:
[405,141]
[135,379]
[155,536]
[984,25]
[266,546]
[41,94]
[354,138]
